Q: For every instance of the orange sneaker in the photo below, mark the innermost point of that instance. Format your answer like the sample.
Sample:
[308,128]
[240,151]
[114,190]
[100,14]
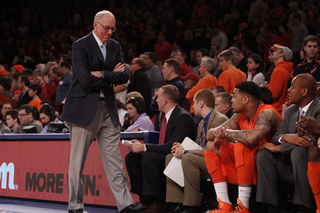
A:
[222,207]
[239,208]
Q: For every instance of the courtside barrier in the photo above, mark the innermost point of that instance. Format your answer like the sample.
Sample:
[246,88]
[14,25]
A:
[35,166]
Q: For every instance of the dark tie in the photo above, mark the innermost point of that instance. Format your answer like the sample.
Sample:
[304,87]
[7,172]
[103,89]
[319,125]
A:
[163,130]
[202,141]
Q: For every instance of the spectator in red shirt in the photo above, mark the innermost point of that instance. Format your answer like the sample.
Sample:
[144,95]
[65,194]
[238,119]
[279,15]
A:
[181,57]
[52,83]
[38,76]
[162,49]
[276,13]
[284,36]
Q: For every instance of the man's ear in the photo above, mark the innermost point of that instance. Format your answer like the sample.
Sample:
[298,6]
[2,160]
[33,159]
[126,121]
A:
[281,54]
[304,91]
[30,115]
[201,103]
[171,69]
[225,106]
[165,101]
[245,99]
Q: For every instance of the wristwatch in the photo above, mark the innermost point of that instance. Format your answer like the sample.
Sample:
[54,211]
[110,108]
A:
[102,74]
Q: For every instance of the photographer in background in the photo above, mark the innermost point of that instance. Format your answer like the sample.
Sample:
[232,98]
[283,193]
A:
[136,110]
[47,115]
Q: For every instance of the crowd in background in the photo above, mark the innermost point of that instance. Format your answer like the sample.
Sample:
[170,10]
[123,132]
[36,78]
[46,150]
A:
[38,36]
[193,45]
[37,32]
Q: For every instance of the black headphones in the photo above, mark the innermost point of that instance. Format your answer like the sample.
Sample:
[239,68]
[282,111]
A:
[138,107]
[52,116]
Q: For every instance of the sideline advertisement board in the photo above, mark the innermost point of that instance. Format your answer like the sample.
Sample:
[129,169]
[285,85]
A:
[38,169]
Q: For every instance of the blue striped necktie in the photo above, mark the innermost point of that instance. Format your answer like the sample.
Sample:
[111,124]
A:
[104,51]
[202,139]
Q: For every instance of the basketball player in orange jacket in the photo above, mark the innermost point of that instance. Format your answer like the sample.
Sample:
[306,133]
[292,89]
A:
[252,124]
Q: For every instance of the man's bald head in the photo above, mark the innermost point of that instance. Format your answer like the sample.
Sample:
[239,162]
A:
[99,15]
[307,81]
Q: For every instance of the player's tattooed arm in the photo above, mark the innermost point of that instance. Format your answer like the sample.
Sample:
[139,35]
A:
[267,122]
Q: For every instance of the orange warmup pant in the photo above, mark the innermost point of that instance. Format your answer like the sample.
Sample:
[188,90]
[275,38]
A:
[236,165]
[314,180]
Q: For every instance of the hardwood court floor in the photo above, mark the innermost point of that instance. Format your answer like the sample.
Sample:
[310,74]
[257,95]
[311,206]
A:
[22,206]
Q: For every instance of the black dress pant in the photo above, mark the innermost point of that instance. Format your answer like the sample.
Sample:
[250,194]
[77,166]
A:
[145,171]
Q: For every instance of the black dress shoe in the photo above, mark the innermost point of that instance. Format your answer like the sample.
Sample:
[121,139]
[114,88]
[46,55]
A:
[133,208]
[176,208]
[155,208]
[192,210]
[78,211]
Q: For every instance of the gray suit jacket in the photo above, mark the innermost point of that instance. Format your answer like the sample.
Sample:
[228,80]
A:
[288,125]
[4,129]
[215,120]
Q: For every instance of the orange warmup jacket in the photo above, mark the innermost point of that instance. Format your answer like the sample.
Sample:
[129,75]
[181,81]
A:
[278,85]
[230,77]
[36,103]
[203,83]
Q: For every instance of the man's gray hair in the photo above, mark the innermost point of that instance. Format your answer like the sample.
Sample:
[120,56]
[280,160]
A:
[210,63]
[99,15]
[41,66]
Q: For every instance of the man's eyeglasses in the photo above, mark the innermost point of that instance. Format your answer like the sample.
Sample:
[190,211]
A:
[108,28]
[6,108]
[21,115]
[133,63]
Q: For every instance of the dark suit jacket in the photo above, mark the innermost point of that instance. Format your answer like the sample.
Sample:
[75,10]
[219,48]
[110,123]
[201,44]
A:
[83,96]
[179,84]
[288,125]
[179,126]
[24,100]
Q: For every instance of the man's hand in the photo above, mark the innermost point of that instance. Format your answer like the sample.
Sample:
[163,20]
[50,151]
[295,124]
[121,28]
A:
[271,147]
[136,146]
[63,102]
[96,73]
[219,132]
[119,68]
[284,108]
[308,125]
[318,143]
[174,146]
[296,140]
[46,79]
[177,150]
[214,146]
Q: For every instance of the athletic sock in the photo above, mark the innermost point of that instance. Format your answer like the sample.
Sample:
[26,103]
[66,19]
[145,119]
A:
[244,195]
[222,191]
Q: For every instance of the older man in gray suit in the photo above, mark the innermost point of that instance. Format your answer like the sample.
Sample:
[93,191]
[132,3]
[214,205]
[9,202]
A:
[91,110]
[286,157]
